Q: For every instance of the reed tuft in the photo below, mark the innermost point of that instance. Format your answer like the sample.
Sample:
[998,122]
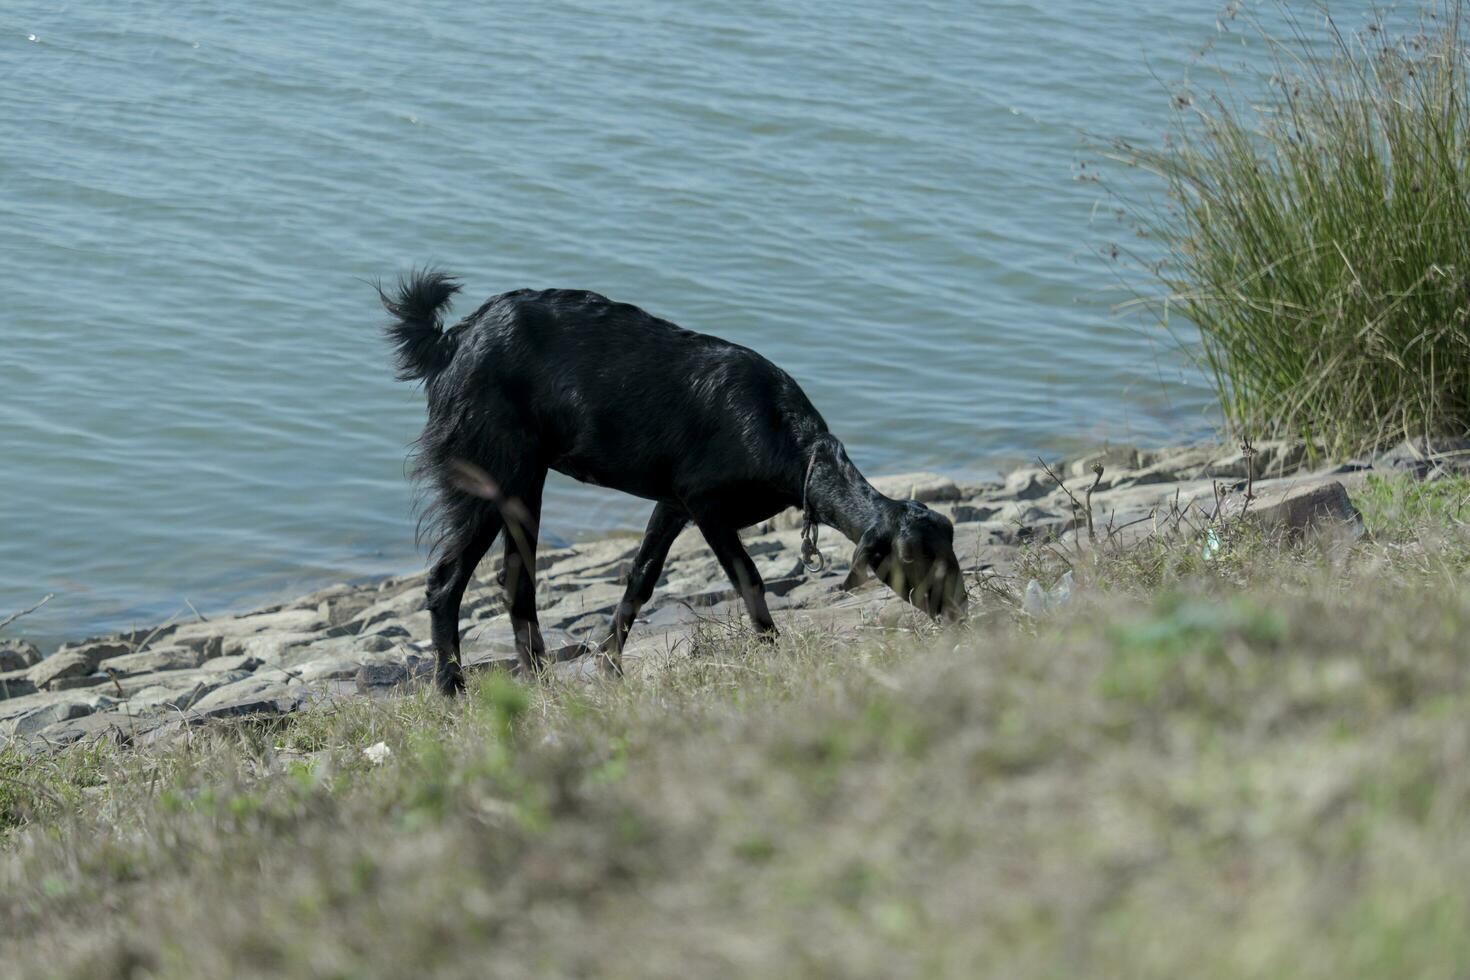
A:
[1319,237]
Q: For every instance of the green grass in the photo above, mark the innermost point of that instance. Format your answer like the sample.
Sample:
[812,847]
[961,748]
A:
[1400,506]
[1254,766]
[1316,229]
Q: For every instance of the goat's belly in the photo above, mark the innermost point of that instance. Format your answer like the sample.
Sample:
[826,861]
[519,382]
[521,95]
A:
[736,503]
[739,504]
[640,482]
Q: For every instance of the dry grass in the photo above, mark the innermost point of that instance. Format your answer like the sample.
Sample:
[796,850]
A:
[1259,767]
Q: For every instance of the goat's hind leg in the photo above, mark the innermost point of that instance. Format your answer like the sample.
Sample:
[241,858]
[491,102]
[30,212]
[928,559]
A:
[470,528]
[664,526]
[740,568]
[522,514]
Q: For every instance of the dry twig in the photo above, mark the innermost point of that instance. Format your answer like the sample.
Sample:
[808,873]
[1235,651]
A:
[26,612]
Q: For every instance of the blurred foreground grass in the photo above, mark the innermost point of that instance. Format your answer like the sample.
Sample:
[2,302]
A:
[1257,765]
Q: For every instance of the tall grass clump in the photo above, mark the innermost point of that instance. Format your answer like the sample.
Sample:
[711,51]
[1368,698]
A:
[1317,233]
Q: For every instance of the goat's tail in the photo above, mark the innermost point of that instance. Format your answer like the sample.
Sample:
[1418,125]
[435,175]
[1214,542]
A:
[421,348]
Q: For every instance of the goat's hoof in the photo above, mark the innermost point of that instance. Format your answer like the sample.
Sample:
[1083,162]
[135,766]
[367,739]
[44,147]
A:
[449,679]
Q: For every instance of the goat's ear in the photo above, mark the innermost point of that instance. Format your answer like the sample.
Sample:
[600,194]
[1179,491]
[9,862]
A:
[863,561]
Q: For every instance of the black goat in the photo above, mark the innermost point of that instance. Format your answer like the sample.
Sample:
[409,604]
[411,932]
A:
[610,395]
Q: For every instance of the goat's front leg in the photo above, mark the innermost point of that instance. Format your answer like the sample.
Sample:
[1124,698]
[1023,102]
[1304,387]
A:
[472,526]
[740,569]
[663,527]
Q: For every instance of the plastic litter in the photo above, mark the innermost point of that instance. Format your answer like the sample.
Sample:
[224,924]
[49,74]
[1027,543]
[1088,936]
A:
[1036,601]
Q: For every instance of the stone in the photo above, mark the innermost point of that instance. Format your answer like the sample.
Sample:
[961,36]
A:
[31,713]
[507,662]
[1027,484]
[241,662]
[985,489]
[209,645]
[1124,503]
[16,684]
[577,607]
[1299,509]
[667,615]
[345,667]
[119,725]
[970,514]
[338,610]
[73,683]
[95,651]
[151,661]
[923,487]
[338,648]
[1114,459]
[400,583]
[177,689]
[1273,459]
[248,696]
[382,677]
[313,600]
[788,520]
[268,647]
[233,632]
[1142,478]
[592,557]
[584,669]
[18,655]
[387,610]
[1425,456]
[64,664]
[785,584]
[711,596]
[174,680]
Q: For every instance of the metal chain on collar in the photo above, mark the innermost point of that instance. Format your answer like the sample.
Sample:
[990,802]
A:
[812,558]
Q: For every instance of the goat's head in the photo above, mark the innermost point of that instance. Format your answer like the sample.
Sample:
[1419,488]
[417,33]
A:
[911,548]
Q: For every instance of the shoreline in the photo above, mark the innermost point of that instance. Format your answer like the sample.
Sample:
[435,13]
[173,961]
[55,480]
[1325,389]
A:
[371,638]
[223,595]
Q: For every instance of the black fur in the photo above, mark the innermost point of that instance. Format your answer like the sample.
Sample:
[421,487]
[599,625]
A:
[606,393]
[417,331]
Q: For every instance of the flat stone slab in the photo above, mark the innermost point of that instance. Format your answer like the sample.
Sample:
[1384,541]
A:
[249,696]
[17,655]
[30,714]
[116,725]
[151,661]
[61,666]
[923,487]
[1297,510]
[16,684]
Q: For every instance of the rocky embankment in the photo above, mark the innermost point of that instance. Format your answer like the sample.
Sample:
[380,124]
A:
[357,640]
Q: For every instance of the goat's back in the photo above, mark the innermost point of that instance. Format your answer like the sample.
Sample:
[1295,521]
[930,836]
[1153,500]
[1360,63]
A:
[611,394]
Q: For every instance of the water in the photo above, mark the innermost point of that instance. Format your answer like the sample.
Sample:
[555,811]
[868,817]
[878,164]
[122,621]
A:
[194,400]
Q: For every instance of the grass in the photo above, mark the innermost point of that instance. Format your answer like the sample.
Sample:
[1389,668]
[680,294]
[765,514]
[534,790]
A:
[1251,766]
[1316,229]
[1391,504]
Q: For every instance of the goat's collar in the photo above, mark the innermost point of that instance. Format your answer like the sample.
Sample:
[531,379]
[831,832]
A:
[811,555]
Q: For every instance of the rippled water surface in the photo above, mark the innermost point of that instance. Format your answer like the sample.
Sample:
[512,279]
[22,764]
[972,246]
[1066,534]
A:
[194,399]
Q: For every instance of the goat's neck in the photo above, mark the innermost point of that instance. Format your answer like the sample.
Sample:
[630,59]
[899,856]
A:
[839,496]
